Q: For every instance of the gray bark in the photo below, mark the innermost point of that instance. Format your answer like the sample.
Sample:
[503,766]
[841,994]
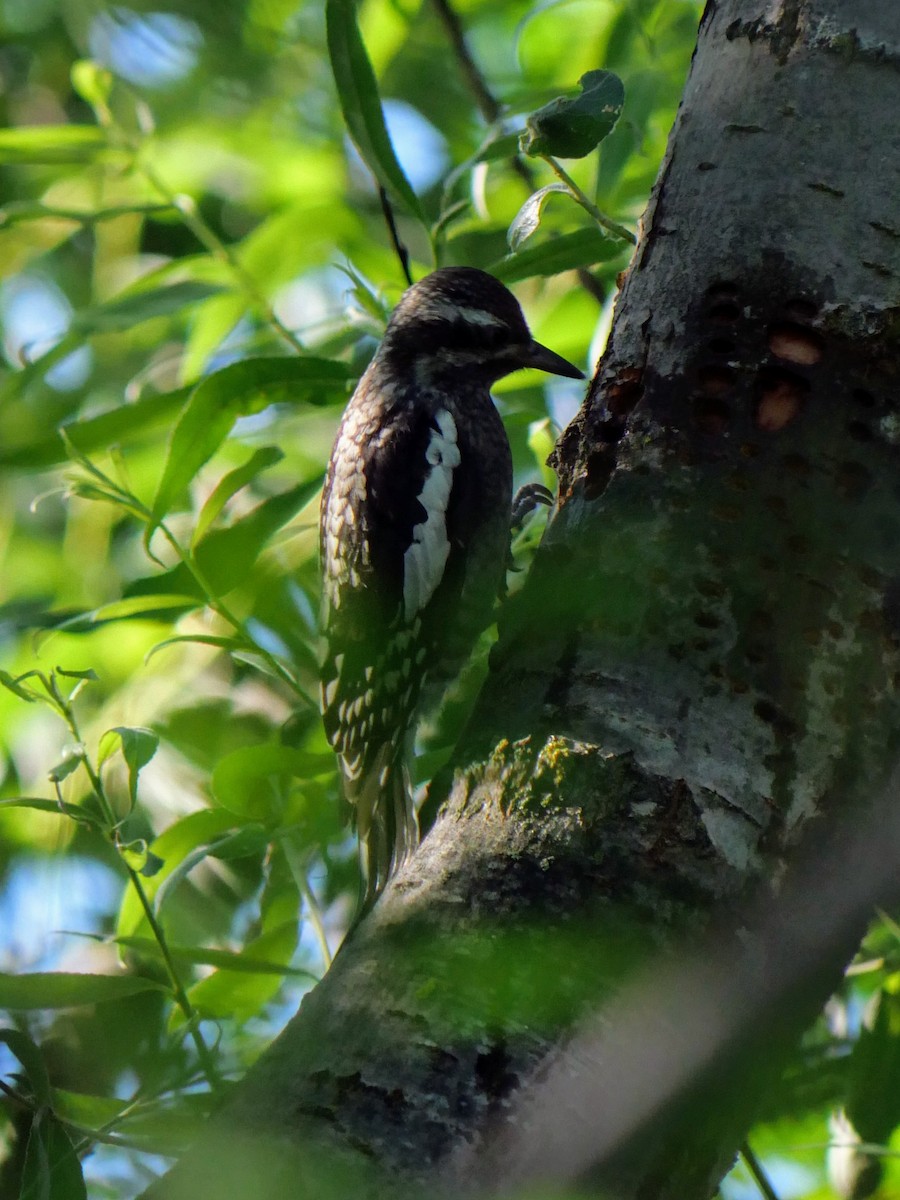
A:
[703,660]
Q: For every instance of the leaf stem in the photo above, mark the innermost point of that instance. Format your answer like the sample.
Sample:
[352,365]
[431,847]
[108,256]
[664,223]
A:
[204,1054]
[587,204]
[220,250]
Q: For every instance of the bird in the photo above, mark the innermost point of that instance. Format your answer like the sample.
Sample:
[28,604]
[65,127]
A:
[414,537]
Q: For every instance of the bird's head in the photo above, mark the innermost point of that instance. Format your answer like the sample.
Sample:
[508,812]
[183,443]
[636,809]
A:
[458,323]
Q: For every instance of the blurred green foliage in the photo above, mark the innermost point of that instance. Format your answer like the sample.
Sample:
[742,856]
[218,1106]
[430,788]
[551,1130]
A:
[196,267]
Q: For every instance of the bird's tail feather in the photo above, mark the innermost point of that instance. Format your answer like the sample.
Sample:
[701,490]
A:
[386,821]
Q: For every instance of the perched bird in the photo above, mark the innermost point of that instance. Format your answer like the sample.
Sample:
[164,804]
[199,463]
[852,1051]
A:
[414,535]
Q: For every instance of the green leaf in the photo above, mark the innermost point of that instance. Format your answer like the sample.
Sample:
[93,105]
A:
[250,782]
[873,1100]
[17,689]
[265,456]
[90,1112]
[360,103]
[88,676]
[241,995]
[40,803]
[123,423]
[573,128]
[138,747]
[56,989]
[225,555]
[239,390]
[160,1126]
[564,253]
[249,842]
[143,305]
[51,1170]
[236,843]
[203,639]
[174,846]
[51,144]
[140,858]
[92,82]
[149,607]
[31,1058]
[73,759]
[225,960]
[528,217]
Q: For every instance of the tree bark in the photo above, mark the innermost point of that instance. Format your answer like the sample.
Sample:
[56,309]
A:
[701,667]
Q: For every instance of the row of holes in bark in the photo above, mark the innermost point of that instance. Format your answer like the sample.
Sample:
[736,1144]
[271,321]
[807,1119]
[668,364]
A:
[781,387]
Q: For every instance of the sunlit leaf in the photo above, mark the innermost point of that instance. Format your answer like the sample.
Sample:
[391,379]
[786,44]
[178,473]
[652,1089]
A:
[251,841]
[143,305]
[249,782]
[232,483]
[17,688]
[200,639]
[137,745]
[186,840]
[67,766]
[567,252]
[92,82]
[161,604]
[240,995]
[51,144]
[225,555]
[56,989]
[225,960]
[360,103]
[237,391]
[235,843]
[39,803]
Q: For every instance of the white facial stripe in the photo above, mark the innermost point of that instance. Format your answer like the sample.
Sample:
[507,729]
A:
[459,312]
[424,561]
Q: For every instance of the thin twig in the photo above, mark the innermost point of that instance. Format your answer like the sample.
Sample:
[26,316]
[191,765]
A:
[400,249]
[755,1167]
[488,105]
[16,1097]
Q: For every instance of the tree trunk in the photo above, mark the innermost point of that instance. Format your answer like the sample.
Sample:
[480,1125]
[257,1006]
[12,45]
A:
[702,661]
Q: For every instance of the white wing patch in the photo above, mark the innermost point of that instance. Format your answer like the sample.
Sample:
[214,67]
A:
[424,561]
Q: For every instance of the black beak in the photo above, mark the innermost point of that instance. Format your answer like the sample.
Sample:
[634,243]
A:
[542,359]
